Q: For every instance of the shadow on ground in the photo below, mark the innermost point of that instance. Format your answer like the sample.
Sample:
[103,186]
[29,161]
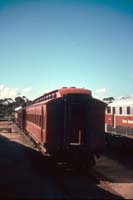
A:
[25,173]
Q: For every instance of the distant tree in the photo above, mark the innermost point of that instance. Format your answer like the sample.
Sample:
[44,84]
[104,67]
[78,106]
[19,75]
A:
[27,101]
[22,101]
[7,105]
[108,99]
[19,101]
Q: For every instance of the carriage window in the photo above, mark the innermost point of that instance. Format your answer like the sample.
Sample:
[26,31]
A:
[40,120]
[109,109]
[120,110]
[53,95]
[128,110]
[36,119]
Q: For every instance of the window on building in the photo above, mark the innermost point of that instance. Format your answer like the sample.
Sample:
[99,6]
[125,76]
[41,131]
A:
[108,109]
[120,110]
[128,110]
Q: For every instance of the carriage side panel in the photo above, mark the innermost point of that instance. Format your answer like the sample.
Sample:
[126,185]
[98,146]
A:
[97,137]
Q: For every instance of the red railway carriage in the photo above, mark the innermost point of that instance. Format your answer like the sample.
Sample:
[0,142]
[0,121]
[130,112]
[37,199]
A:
[19,116]
[119,116]
[66,121]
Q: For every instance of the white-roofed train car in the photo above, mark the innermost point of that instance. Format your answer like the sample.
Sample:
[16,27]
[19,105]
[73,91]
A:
[119,116]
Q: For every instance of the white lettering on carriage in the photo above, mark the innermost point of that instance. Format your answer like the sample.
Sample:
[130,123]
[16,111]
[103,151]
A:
[130,121]
[124,121]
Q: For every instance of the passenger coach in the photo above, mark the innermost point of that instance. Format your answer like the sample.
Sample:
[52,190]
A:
[119,116]
[67,122]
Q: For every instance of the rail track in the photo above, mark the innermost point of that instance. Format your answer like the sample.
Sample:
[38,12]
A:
[26,173]
[120,148]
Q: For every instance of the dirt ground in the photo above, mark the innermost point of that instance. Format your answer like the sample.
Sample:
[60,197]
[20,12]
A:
[23,173]
[18,174]
[119,177]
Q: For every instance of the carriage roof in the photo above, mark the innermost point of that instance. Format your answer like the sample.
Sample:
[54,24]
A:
[124,101]
[61,92]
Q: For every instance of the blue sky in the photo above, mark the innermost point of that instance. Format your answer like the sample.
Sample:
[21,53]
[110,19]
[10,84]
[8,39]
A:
[47,44]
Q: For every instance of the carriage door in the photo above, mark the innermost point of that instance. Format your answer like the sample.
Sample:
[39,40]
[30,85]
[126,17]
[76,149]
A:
[113,117]
[76,120]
